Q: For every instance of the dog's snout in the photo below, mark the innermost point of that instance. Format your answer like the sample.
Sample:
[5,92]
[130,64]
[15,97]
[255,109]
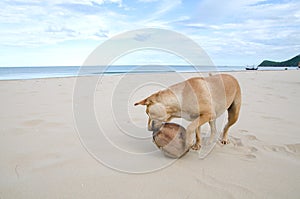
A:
[154,125]
[150,126]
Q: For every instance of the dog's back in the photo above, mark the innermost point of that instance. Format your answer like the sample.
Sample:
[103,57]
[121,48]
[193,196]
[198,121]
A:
[198,94]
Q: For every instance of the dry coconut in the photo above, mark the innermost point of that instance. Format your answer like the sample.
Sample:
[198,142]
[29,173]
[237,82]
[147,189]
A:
[171,139]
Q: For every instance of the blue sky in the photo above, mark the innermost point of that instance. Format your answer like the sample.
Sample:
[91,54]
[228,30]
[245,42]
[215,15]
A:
[65,32]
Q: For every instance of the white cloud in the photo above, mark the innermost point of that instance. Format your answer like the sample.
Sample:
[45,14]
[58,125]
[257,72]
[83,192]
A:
[34,24]
[50,21]
[166,6]
[148,1]
[84,2]
[247,30]
[251,29]
[162,7]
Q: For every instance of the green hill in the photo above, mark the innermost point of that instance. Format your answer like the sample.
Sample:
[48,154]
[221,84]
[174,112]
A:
[291,62]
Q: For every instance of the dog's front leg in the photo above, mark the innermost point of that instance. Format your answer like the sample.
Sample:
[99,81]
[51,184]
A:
[213,130]
[195,127]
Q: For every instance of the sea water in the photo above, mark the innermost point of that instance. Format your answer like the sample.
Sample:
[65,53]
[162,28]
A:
[14,73]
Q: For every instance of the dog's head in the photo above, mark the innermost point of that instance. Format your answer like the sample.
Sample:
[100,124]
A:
[156,111]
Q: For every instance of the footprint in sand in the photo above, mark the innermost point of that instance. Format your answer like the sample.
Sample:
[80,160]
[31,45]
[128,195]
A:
[244,147]
[236,141]
[251,137]
[295,148]
[252,149]
[250,152]
[243,131]
[250,156]
[291,149]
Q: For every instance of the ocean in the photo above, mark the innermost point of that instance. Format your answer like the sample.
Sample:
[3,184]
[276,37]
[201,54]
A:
[20,73]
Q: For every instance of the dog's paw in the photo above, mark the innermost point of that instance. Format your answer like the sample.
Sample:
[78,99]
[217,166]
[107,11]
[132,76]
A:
[196,147]
[224,142]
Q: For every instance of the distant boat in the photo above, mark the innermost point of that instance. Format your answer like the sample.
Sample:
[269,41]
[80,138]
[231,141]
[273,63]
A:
[251,67]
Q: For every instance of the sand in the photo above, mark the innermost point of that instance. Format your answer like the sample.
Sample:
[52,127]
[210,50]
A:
[42,154]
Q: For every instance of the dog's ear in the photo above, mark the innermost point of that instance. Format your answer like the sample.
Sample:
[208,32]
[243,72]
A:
[143,102]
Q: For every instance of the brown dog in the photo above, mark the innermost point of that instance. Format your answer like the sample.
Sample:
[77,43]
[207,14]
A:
[199,100]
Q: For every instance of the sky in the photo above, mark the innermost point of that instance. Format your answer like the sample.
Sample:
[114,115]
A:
[65,32]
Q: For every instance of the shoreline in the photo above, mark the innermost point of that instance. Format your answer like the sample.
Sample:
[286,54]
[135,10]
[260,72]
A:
[146,73]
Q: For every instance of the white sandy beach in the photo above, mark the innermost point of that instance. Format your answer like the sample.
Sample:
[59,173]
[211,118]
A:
[41,155]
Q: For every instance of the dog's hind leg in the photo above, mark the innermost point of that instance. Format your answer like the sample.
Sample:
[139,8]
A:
[233,115]
[197,145]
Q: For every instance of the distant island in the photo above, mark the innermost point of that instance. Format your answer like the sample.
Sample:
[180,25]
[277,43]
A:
[295,61]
